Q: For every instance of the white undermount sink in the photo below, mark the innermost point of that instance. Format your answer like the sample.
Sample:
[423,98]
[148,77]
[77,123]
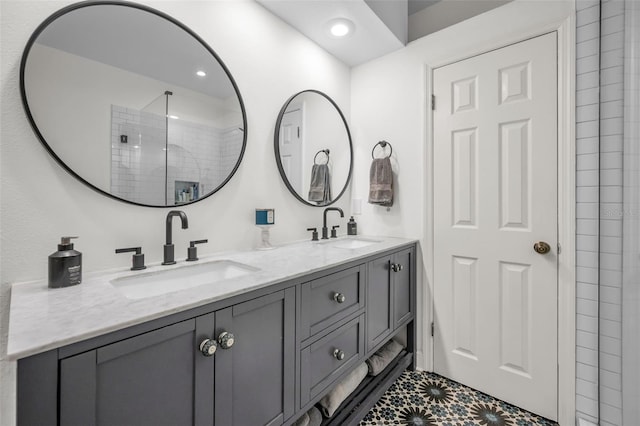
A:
[353,243]
[160,282]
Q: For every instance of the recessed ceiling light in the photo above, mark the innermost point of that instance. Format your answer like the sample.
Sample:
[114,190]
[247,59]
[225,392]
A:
[201,73]
[340,27]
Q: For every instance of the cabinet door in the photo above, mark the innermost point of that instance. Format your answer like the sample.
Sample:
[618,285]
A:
[401,287]
[379,315]
[255,377]
[150,379]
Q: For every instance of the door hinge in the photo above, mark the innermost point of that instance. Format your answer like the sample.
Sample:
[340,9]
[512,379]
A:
[433,102]
[432,329]
[559,248]
[298,132]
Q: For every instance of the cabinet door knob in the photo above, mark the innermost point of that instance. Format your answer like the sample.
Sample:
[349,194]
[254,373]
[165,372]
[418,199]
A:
[208,347]
[338,354]
[396,267]
[339,297]
[226,340]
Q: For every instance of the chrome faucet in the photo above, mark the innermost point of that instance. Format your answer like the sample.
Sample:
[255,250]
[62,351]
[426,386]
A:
[325,230]
[168,247]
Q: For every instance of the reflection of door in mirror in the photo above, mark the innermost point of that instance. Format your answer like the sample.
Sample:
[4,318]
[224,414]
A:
[313,148]
[291,147]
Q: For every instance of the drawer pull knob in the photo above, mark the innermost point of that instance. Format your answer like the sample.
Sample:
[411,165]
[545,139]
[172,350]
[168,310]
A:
[338,354]
[339,297]
[208,347]
[226,340]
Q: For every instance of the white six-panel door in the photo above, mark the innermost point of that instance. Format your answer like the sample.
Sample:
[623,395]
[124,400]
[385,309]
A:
[495,196]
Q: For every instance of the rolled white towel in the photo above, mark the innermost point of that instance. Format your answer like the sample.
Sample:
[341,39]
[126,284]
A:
[379,361]
[303,421]
[331,401]
[315,417]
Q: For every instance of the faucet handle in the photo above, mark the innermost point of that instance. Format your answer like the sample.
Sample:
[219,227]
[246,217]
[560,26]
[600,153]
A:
[137,260]
[334,232]
[192,250]
[314,233]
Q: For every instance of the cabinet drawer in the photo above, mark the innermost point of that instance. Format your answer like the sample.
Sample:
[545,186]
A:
[320,364]
[329,299]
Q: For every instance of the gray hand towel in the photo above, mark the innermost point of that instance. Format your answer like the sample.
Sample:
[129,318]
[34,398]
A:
[320,186]
[331,401]
[381,182]
[379,361]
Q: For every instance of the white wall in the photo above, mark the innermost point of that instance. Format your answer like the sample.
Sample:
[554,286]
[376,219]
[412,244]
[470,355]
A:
[446,13]
[323,129]
[40,202]
[390,99]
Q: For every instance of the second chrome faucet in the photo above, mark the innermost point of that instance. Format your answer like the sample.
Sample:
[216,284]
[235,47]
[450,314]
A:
[169,256]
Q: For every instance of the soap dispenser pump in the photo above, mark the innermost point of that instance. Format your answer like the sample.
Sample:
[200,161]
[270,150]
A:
[65,265]
[352,227]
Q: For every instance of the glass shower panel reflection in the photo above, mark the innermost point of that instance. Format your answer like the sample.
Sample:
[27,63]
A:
[188,146]
[138,140]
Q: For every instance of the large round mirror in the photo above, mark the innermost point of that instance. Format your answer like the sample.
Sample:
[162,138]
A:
[133,103]
[313,148]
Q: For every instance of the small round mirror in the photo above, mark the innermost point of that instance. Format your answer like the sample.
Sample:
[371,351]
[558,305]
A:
[313,148]
[133,103]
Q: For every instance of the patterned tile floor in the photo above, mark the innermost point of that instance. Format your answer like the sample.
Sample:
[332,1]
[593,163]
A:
[426,399]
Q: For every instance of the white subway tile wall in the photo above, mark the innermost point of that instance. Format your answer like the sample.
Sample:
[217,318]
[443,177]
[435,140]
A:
[611,208]
[587,205]
[599,133]
[196,153]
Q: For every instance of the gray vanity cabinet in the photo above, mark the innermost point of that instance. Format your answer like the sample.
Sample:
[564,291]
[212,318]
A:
[292,342]
[255,377]
[162,378]
[389,295]
[156,378]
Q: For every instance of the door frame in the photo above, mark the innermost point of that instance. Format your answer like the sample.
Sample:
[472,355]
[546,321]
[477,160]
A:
[565,30]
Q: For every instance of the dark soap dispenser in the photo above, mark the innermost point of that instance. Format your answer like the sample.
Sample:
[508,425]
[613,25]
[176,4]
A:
[65,265]
[352,227]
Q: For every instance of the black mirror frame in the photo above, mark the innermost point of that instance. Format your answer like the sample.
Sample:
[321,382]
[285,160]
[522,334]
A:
[160,14]
[276,145]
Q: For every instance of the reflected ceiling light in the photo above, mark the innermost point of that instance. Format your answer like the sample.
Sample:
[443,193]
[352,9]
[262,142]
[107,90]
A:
[201,73]
[340,27]
[175,117]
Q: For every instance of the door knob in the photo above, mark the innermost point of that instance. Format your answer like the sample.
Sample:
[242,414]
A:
[541,247]
[226,340]
[208,347]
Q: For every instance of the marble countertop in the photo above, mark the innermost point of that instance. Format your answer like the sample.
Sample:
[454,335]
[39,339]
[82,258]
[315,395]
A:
[41,319]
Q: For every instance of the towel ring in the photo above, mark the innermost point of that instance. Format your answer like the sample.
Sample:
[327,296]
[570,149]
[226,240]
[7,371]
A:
[383,144]
[323,151]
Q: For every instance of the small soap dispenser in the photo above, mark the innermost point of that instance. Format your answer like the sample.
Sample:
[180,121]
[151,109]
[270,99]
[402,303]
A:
[352,227]
[65,265]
